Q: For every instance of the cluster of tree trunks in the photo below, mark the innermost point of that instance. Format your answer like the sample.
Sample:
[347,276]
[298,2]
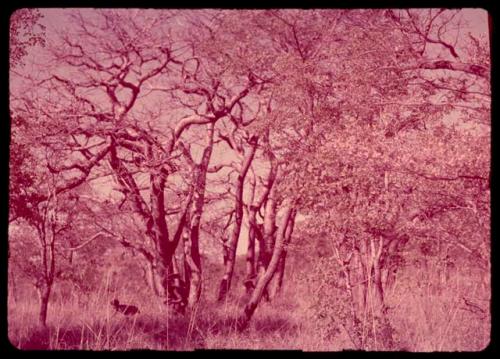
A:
[272,240]
[368,271]
[283,237]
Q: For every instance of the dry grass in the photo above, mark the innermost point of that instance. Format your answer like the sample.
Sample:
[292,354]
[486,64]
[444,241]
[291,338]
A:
[430,314]
[427,315]
[96,326]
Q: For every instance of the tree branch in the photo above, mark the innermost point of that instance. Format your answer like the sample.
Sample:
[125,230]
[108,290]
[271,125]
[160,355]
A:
[472,69]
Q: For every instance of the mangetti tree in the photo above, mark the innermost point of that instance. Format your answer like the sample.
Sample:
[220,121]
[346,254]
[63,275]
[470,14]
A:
[108,76]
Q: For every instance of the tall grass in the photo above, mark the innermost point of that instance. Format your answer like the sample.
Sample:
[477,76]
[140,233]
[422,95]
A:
[430,312]
[427,312]
[96,326]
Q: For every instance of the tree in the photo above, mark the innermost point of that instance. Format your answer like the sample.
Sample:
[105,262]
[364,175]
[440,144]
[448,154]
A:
[51,219]
[375,104]
[99,106]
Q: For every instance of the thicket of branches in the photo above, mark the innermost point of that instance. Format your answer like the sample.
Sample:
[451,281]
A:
[170,133]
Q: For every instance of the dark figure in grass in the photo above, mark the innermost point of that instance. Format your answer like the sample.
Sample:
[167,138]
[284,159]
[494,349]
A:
[124,308]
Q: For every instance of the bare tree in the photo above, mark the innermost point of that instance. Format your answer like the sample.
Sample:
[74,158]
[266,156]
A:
[51,221]
[113,129]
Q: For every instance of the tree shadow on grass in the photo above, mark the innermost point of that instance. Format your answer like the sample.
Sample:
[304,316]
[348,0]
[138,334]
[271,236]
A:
[171,336]
[273,325]
[174,336]
[37,339]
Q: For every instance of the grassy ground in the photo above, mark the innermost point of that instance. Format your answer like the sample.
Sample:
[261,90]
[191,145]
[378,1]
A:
[98,327]
[427,313]
[435,312]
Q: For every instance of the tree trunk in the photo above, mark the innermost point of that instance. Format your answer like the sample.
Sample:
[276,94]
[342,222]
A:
[152,279]
[153,217]
[256,231]
[382,331]
[191,244]
[352,323]
[158,228]
[192,262]
[250,258]
[47,235]
[192,267]
[390,260]
[378,288]
[269,231]
[238,217]
[277,281]
[264,280]
[359,280]
[372,300]
[176,288]
[44,303]
[375,268]
[155,222]
[267,242]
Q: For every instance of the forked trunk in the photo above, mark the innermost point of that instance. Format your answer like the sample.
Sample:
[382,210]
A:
[154,217]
